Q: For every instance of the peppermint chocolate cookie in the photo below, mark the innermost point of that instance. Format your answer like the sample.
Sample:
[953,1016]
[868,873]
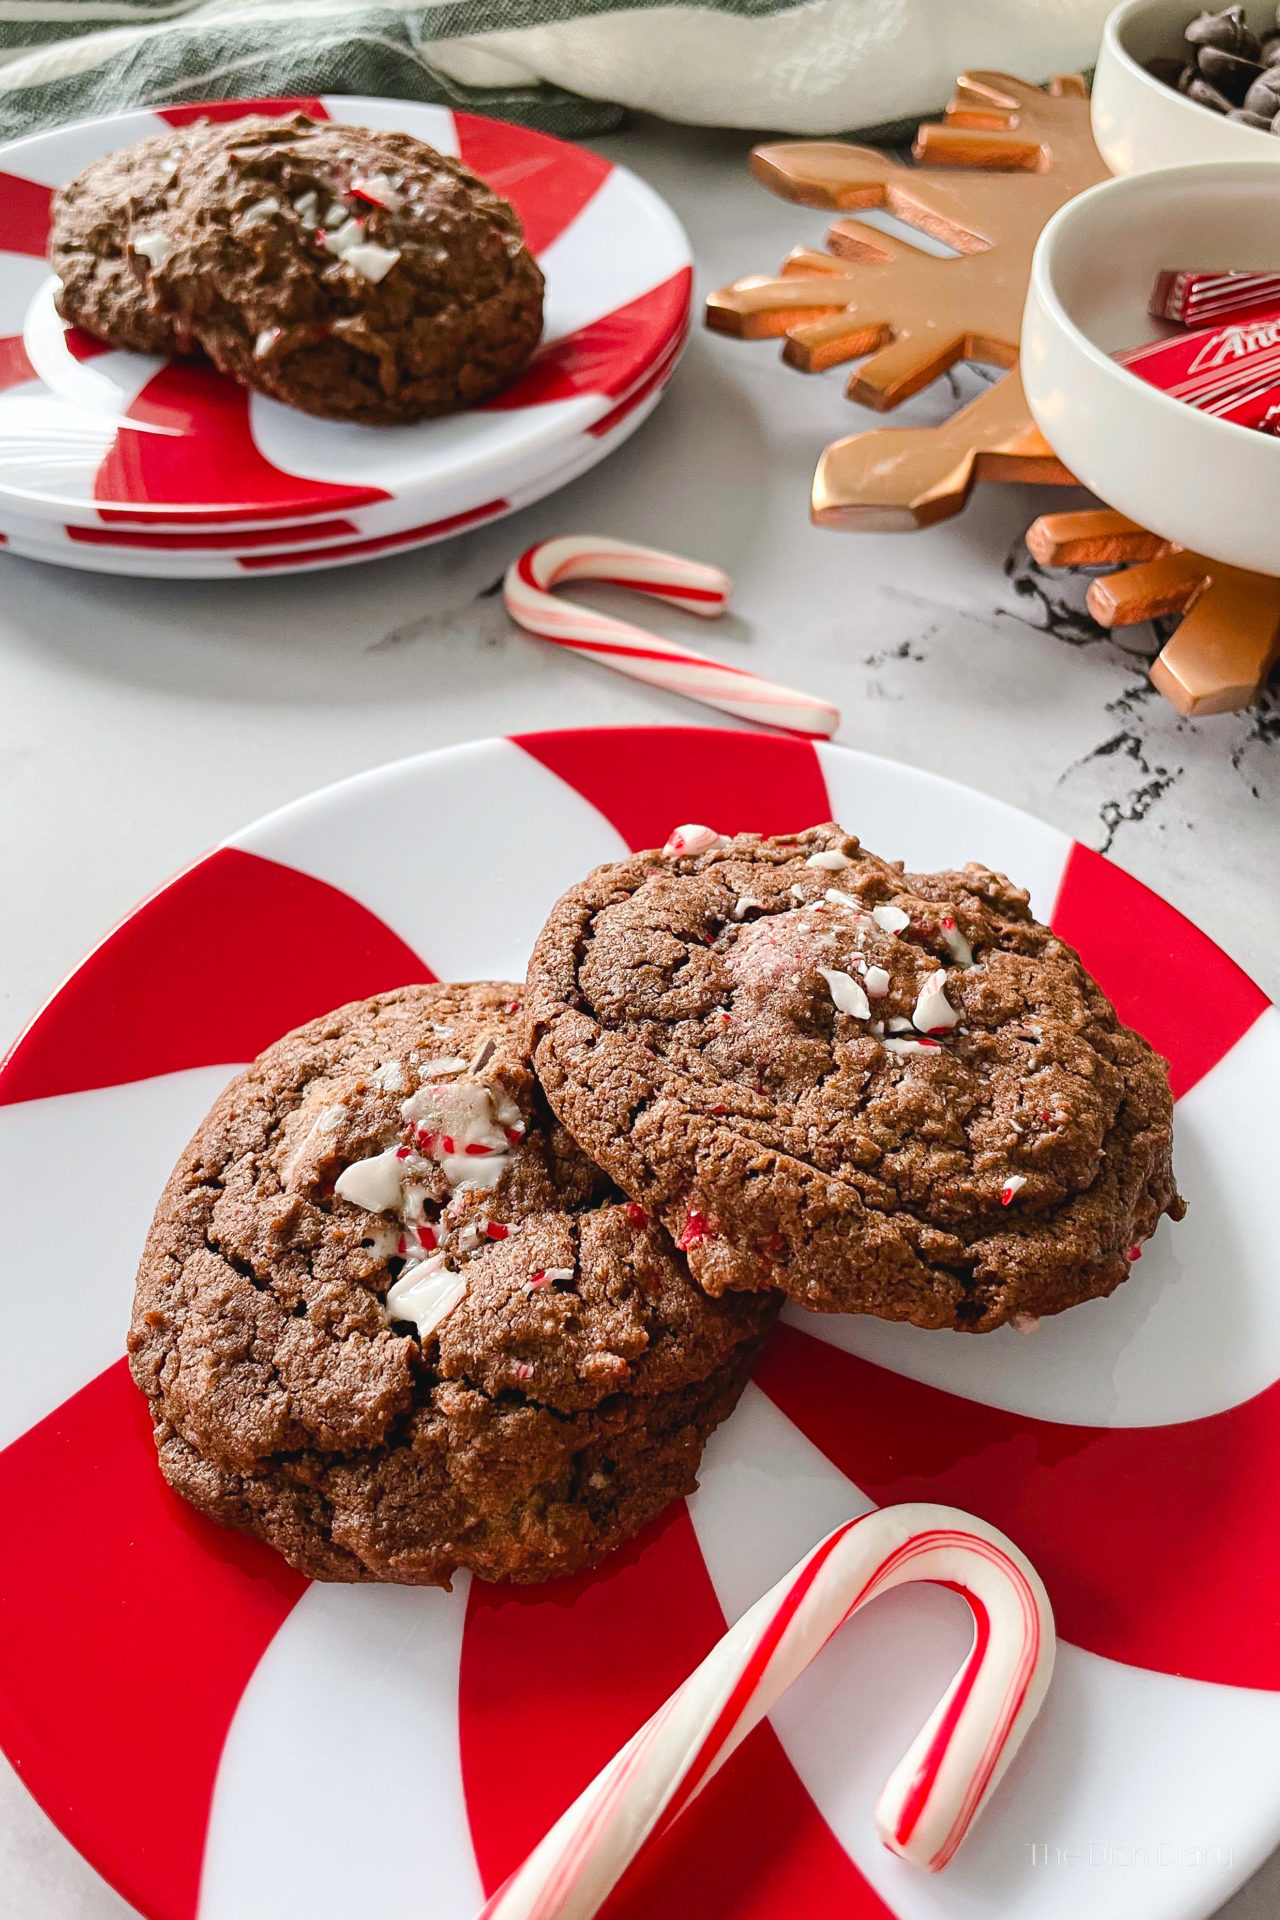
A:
[392,1320]
[108,231]
[882,1092]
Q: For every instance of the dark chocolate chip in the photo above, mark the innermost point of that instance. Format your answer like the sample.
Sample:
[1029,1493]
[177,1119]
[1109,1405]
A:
[1264,96]
[1168,71]
[1227,31]
[1228,72]
[1208,96]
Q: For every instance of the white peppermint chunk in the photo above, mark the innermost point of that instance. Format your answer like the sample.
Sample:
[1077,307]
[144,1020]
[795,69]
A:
[690,839]
[155,247]
[375,1184]
[911,1046]
[846,993]
[331,1118]
[307,208]
[337,213]
[832,861]
[1014,1184]
[370,261]
[961,951]
[838,899]
[341,240]
[427,1294]
[877,982]
[744,904]
[890,919]
[379,188]
[390,1077]
[933,1011]
[448,1063]
[260,210]
[461,1128]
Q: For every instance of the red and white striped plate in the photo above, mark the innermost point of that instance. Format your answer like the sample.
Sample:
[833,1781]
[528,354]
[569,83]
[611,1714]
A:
[221,1739]
[238,553]
[102,440]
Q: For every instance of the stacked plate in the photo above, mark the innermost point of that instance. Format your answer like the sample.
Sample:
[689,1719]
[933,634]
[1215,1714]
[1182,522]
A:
[125,463]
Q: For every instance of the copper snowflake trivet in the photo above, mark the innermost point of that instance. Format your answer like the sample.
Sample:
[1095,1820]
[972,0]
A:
[1228,638]
[914,313]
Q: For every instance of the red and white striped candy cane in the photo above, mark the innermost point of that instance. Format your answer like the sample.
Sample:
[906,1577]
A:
[934,1793]
[644,656]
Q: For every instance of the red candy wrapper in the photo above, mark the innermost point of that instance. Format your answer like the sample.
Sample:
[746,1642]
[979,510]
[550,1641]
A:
[1221,370]
[1197,299]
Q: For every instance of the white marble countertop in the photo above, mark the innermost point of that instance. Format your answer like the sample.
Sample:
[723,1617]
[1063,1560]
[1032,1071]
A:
[142,721]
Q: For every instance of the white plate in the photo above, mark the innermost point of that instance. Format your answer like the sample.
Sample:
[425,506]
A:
[216,1735]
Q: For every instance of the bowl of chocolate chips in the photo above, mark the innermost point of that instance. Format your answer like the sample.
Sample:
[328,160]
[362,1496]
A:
[1176,83]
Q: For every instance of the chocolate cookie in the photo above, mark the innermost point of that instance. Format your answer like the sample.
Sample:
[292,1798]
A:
[355,274]
[392,1320]
[108,230]
[883,1092]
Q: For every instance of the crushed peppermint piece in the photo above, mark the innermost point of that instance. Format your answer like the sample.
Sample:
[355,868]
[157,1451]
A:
[461,1125]
[877,981]
[426,1295]
[306,206]
[684,842]
[960,950]
[155,247]
[337,213]
[898,1025]
[832,861]
[741,906]
[265,341]
[522,1369]
[331,1118]
[933,1012]
[375,1184]
[390,1077]
[1135,1252]
[846,993]
[371,262]
[839,899]
[636,1215]
[890,919]
[797,893]
[341,240]
[1014,1184]
[695,1228]
[427,1239]
[378,190]
[1024,1322]
[446,1064]
[260,210]
[912,1046]
[495,1230]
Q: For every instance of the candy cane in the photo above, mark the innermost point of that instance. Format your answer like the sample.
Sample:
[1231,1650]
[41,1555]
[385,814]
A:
[934,1793]
[661,663]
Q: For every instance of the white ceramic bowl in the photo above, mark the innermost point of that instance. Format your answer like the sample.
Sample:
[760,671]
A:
[1138,121]
[1202,482]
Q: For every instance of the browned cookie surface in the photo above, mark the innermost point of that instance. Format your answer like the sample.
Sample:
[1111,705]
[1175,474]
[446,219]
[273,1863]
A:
[391,1319]
[109,227]
[883,1092]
